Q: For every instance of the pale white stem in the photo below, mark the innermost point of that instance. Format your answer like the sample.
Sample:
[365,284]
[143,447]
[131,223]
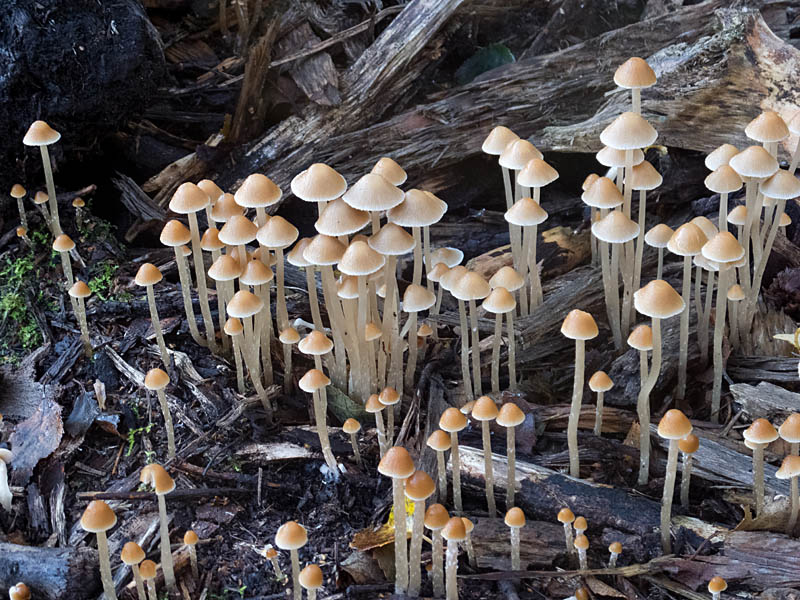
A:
[640,243]
[237,356]
[415,552]
[23,217]
[382,443]
[186,291]
[643,404]
[417,272]
[411,367]
[336,317]
[719,330]
[628,190]
[636,100]
[476,351]
[465,374]
[686,478]
[356,452]
[515,561]
[758,477]
[568,538]
[437,558]
[297,590]
[105,566]
[733,323]
[320,416]
[473,561]
[193,561]
[166,552]
[139,583]
[707,314]
[612,560]
[162,347]
[582,559]
[605,265]
[723,211]
[51,190]
[360,343]
[598,418]
[575,409]
[683,356]
[162,400]
[666,500]
[488,471]
[795,507]
[512,352]
[758,275]
[87,343]
[277,568]
[660,268]
[511,459]
[702,337]
[400,544]
[441,470]
[389,426]
[454,458]
[313,300]
[451,568]
[498,334]
[200,276]
[151,589]
[615,308]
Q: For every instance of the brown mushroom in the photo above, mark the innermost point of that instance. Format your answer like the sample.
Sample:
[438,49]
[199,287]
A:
[687,446]
[131,555]
[452,421]
[510,416]
[80,291]
[398,465]
[190,540]
[436,517]
[351,427]
[147,276]
[156,380]
[419,487]
[515,519]
[485,411]
[760,434]
[454,532]
[599,383]
[292,536]
[98,518]
[157,477]
[42,135]
[439,442]
[674,426]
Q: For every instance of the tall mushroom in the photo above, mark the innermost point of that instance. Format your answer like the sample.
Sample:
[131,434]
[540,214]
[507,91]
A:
[314,382]
[448,282]
[485,411]
[419,487]
[599,383]
[454,532]
[723,181]
[524,216]
[790,469]
[760,434]
[42,135]
[579,326]
[373,193]
[674,426]
[418,210]
[176,235]
[635,74]
[515,519]
[147,276]
[644,178]
[295,257]
[389,397]
[657,300]
[63,244]
[498,302]
[148,571]
[469,288]
[687,446]
[244,305]
[233,328]
[99,518]
[439,442]
[398,465]
[658,237]
[18,193]
[157,477]
[257,191]
[415,299]
[80,291]
[436,517]
[211,243]
[156,380]
[292,536]
[452,421]
[390,171]
[494,144]
[510,416]
[735,295]
[131,555]
[509,279]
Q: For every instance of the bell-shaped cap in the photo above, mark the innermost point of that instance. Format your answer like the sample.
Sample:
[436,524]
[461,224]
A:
[418,209]
[497,140]
[187,199]
[674,425]
[687,240]
[318,183]
[277,232]
[518,154]
[767,127]
[754,162]
[658,300]
[721,155]
[392,240]
[634,73]
[257,191]
[98,517]
[723,180]
[615,228]
[373,193]
[339,218]
[628,132]
[603,193]
[40,134]
[537,173]
[579,325]
[396,463]
[390,171]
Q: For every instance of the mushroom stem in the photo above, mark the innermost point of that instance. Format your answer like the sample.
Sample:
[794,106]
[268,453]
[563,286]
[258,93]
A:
[186,291]
[512,352]
[320,414]
[707,314]
[383,444]
[636,100]
[758,275]
[451,568]
[277,568]
[139,583]
[356,452]
[193,561]
[441,470]
[598,418]
[473,562]
[411,367]
[415,552]
[575,409]
[669,490]
[237,356]
[105,563]
[511,459]
[456,465]
[296,589]
[627,268]
[686,477]
[683,356]
[637,269]
[162,347]
[336,317]
[202,288]
[515,561]
[795,507]
[476,351]
[643,404]
[568,538]
[23,216]
[698,310]
[400,545]
[313,300]
[389,426]
[162,400]
[642,367]
[81,310]
[437,558]
[660,268]
[758,477]
[582,563]
[488,471]
[723,211]
[166,553]
[733,323]
[51,190]
[250,361]
[498,334]
[417,272]
[614,288]
[465,375]
[605,266]
[264,332]
[151,589]
[719,330]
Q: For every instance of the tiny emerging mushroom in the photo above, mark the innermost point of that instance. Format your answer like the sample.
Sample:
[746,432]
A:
[687,446]
[313,382]
[98,518]
[419,487]
[272,556]
[566,518]
[582,545]
[79,204]
[19,591]
[398,464]
[311,580]
[157,477]
[352,427]
[439,441]
[760,434]
[580,525]
[614,550]
[374,406]
[80,291]
[131,555]
[190,539]
[716,586]
[485,411]
[599,383]
[292,536]
[515,519]
[452,421]
[436,517]
[18,193]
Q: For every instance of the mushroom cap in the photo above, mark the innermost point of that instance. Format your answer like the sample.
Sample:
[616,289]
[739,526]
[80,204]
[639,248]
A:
[738,215]
[517,154]
[213,191]
[628,131]
[256,273]
[634,73]
[717,585]
[132,553]
[723,180]
[446,255]
[760,431]
[147,569]
[190,538]
[417,298]
[291,536]
[603,193]
[423,331]
[359,259]
[323,250]
[148,274]
[789,430]
[454,531]
[40,198]
[78,202]
[418,209]
[436,517]
[689,444]
[580,524]
[615,228]
[721,155]
[17,191]
[270,552]
[277,232]
[467,408]
[581,594]
[175,233]
[735,293]
[508,278]
[525,212]
[157,477]
[315,343]
[784,220]
[318,183]
[238,230]
[373,405]
[537,173]
[310,577]
[339,218]
[313,380]
[437,272]
[373,332]
[790,467]
[156,379]
[754,162]
[471,286]
[40,134]
[347,287]
[497,140]
[687,240]
[452,420]
[613,157]
[188,198]
[390,171]
[510,415]
[645,177]
[79,290]
[781,186]
[373,192]
[392,240]
[499,301]
[244,304]
[295,255]
[257,191]
[98,517]
[767,127]
[21,231]
[581,542]
[351,426]
[565,515]
[723,248]
[210,240]
[63,243]
[233,326]
[484,409]
[225,268]
[468,525]
[6,455]
[674,425]
[439,441]
[600,382]
[590,179]
[389,396]
[515,517]
[420,486]
[289,336]
[658,300]
[615,548]
[579,325]
[658,236]
[396,463]
[225,208]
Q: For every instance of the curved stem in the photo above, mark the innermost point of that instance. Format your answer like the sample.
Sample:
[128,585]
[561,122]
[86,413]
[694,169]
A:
[637,268]
[643,404]
[186,291]
[415,552]
[465,374]
[162,400]
[356,452]
[166,552]
[237,356]
[680,391]
[666,500]
[200,276]
[162,347]
[400,544]
[511,473]
[105,565]
[476,350]
[719,330]
[336,318]
[575,409]
[456,466]
[277,568]
[598,418]
[686,478]
[512,352]
[488,471]
[320,416]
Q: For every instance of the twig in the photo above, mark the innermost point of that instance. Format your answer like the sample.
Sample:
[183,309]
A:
[178,494]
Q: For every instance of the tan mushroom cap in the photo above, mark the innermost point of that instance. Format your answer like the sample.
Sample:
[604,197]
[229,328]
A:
[420,486]
[723,248]
[720,156]
[157,477]
[497,140]
[581,542]
[628,132]
[256,273]
[484,409]
[17,191]
[390,171]
[735,293]
[615,548]
[760,431]
[210,240]
[78,202]
[156,379]
[187,199]
[565,515]
[439,441]
[423,331]
[40,197]
[471,286]
[147,569]
[468,525]
[510,415]
[658,236]
[603,193]
[291,536]
[289,336]
[767,127]
[277,232]
[373,193]
[790,467]
[658,300]
[418,209]
[79,290]
[21,231]
[452,420]
[213,191]
[132,553]
[148,274]
[225,208]
[225,268]
[392,240]
[257,191]
[500,301]
[687,240]
[754,162]
[295,255]
[372,332]
[449,279]
[436,517]
[634,73]
[738,215]
[244,304]
[674,425]
[781,186]
[98,517]
[190,538]
[351,426]
[784,220]
[790,428]
[641,338]
[270,552]
[517,154]
[467,408]
[525,212]
[323,250]
[396,463]
[508,278]
[437,272]
[615,228]
[537,173]
[515,517]
[63,243]
[315,343]
[318,183]
[339,218]
[454,530]
[580,524]
[373,404]
[723,180]
[579,325]
[451,257]
[359,259]
[40,134]
[233,327]
[717,585]
[417,298]
[689,444]
[175,233]
[590,179]
[310,577]
[645,177]
[613,157]
[600,382]
[313,380]
[389,396]
[238,230]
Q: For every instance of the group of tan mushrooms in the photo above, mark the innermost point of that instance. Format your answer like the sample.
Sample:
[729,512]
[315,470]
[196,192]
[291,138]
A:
[368,350]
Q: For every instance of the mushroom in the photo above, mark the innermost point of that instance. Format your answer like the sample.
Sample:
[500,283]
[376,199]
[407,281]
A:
[498,302]
[233,328]
[789,431]
[760,434]
[452,421]
[716,586]
[674,426]
[566,517]
[19,591]
[599,383]
[657,300]
[580,525]
[272,555]
[469,288]
[418,210]
[436,518]
[485,411]
[389,398]
[257,191]
[398,465]
[635,74]
[22,233]
[148,571]
[80,291]
[419,487]
[580,594]
[157,477]
[147,276]
[439,441]
[468,527]
[314,382]
[176,235]
[687,446]
[447,282]
[515,519]
[6,456]
[18,193]
[156,380]
[311,580]
[579,326]
[318,183]
[317,344]
[644,178]
[494,144]
[454,532]
[510,416]
[526,215]
[210,242]
[292,536]
[190,540]
[614,549]
[374,406]
[99,518]
[658,237]
[352,427]
[131,555]
[721,155]
[615,159]
[42,135]
[415,299]
[509,279]
[390,171]
[244,305]
[723,181]
[735,296]
[63,244]
[295,257]
[790,469]
[581,544]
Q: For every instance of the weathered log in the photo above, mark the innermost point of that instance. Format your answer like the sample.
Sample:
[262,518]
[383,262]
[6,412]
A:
[541,543]
[51,573]
[766,399]
[763,368]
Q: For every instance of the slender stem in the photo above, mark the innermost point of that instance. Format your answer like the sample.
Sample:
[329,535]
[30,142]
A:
[636,100]
[488,470]
[598,418]
[680,391]
[605,265]
[320,416]
[758,275]
[87,343]
[356,452]
[515,562]
[400,544]
[441,470]
[511,472]
[698,309]
[251,362]
[162,400]
[512,352]
[193,561]
[758,477]
[265,333]
[200,276]
[139,583]
[643,370]
[415,553]
[437,559]
[582,563]
[186,291]
[237,356]
[733,323]
[795,507]
[575,409]
[297,590]
[627,268]
[389,426]
[476,351]
[498,334]
[151,589]
[643,404]
[451,568]
[666,500]
[51,191]
[660,268]
[162,347]
[105,564]
[628,190]
[23,216]
[277,568]
[640,243]
[568,538]
[473,561]
[166,553]
[614,289]
[465,374]
[411,367]
[686,478]
[707,314]
[336,317]
[382,443]
[313,300]
[719,330]
[456,465]
[417,273]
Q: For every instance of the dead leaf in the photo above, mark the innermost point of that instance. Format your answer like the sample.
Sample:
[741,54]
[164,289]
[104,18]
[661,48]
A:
[363,568]
[603,589]
[34,439]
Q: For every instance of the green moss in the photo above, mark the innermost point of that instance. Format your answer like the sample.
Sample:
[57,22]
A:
[102,278]
[17,275]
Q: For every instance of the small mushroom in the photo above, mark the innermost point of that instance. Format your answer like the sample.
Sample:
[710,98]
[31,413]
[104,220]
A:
[452,421]
[63,244]
[40,200]
[157,477]
[515,519]
[469,288]
[789,431]
[389,397]
[687,446]
[599,383]
[580,525]
[156,380]
[272,555]
[419,487]
[635,74]
[352,427]
[674,426]
[439,441]
[658,238]
[79,204]
[510,416]
[99,518]
[147,569]
[436,517]
[190,539]
[398,465]
[581,544]
[614,550]
[42,135]
[292,536]
[716,586]
[312,382]
[468,527]
[131,555]
[760,434]
[485,411]
[80,291]
[790,469]
[176,235]
[498,302]
[234,329]
[311,580]
[566,517]
[580,594]
[18,193]
[415,299]
[375,407]
[454,532]
[19,591]
[6,456]
[147,276]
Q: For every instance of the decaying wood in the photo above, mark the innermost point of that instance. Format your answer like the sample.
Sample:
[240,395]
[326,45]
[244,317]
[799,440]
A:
[763,368]
[540,543]
[766,399]
[135,200]
[51,573]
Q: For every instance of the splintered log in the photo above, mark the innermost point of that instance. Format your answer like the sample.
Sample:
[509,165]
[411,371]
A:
[766,400]
[51,573]
[541,543]
[764,368]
